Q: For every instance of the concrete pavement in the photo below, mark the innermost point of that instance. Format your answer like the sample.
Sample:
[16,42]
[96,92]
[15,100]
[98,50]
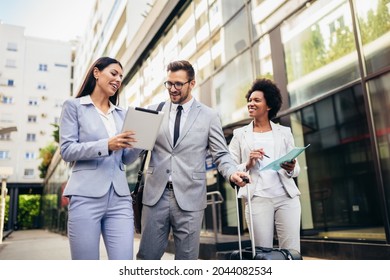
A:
[42,244]
[46,245]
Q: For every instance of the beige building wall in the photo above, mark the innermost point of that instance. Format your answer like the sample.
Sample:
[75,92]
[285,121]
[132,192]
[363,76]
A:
[35,81]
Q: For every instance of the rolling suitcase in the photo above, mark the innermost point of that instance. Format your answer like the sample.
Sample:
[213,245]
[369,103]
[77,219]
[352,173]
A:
[259,253]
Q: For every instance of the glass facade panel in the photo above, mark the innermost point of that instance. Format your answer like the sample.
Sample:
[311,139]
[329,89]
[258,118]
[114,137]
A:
[374,24]
[233,45]
[202,62]
[380,96]
[222,10]
[320,52]
[341,173]
[229,8]
[201,22]
[261,11]
[186,33]
[229,88]
[263,59]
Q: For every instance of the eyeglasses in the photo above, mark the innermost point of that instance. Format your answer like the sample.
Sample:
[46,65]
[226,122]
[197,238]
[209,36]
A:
[177,85]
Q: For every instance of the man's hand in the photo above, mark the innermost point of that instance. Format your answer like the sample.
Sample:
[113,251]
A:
[240,178]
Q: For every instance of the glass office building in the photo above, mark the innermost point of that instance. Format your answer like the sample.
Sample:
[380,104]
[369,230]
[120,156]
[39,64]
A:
[331,60]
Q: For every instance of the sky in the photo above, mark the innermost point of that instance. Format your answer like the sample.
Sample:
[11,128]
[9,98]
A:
[51,19]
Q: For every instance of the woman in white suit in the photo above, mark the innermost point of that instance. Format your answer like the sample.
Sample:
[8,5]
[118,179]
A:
[91,140]
[274,194]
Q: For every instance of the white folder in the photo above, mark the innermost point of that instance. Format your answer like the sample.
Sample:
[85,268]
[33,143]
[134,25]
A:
[145,123]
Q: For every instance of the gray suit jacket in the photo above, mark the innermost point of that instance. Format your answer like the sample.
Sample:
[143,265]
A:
[84,142]
[242,143]
[186,161]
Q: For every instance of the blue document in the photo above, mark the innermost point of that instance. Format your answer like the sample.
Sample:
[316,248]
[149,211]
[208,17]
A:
[275,165]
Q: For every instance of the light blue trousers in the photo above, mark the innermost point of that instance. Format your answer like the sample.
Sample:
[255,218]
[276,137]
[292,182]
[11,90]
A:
[110,216]
[282,213]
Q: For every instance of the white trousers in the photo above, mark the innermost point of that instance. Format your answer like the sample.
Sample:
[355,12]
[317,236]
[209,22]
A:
[282,213]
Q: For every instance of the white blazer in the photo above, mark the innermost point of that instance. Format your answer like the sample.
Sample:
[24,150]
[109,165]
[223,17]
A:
[241,145]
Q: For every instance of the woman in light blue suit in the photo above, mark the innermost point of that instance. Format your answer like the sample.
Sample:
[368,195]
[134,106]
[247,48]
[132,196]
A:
[90,139]
[274,195]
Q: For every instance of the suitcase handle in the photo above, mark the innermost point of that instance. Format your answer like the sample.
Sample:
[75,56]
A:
[252,237]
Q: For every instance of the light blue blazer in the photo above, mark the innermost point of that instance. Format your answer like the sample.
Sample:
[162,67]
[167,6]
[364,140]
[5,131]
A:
[241,145]
[84,142]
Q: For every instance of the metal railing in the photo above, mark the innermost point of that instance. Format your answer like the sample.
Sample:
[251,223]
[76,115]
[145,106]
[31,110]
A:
[214,198]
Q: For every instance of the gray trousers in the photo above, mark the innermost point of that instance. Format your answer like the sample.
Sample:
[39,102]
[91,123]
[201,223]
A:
[110,216]
[282,213]
[157,222]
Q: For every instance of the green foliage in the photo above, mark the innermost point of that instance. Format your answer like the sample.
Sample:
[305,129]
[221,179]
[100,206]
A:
[377,23]
[46,154]
[315,53]
[28,211]
[6,210]
[342,45]
[56,132]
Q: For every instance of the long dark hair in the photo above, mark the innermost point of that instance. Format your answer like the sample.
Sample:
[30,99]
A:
[90,81]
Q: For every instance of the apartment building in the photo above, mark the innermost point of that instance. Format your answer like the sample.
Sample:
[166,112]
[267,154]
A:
[35,79]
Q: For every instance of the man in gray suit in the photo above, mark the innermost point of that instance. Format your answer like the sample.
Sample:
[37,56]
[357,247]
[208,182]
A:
[175,183]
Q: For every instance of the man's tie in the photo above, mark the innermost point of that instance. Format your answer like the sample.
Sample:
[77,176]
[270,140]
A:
[176,131]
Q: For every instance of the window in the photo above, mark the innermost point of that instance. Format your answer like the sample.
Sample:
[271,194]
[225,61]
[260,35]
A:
[60,65]
[33,102]
[42,67]
[29,155]
[6,118]
[4,155]
[32,119]
[10,83]
[41,86]
[13,47]
[5,137]
[29,172]
[10,63]
[374,27]
[317,41]
[58,103]
[31,137]
[7,100]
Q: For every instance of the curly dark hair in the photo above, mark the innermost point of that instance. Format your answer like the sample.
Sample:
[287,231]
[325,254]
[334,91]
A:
[271,94]
[90,81]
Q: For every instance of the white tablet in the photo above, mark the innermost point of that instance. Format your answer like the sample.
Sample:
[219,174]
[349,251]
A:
[145,123]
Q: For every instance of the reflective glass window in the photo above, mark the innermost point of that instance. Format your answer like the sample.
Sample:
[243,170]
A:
[320,52]
[374,25]
[380,96]
[222,10]
[230,86]
[235,36]
[263,58]
[338,166]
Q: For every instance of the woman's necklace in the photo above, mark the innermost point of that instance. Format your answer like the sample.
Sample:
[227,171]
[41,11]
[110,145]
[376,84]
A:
[262,129]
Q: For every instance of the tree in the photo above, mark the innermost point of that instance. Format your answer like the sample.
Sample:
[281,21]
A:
[56,132]
[46,154]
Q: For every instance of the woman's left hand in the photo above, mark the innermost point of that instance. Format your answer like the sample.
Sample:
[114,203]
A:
[121,141]
[288,165]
